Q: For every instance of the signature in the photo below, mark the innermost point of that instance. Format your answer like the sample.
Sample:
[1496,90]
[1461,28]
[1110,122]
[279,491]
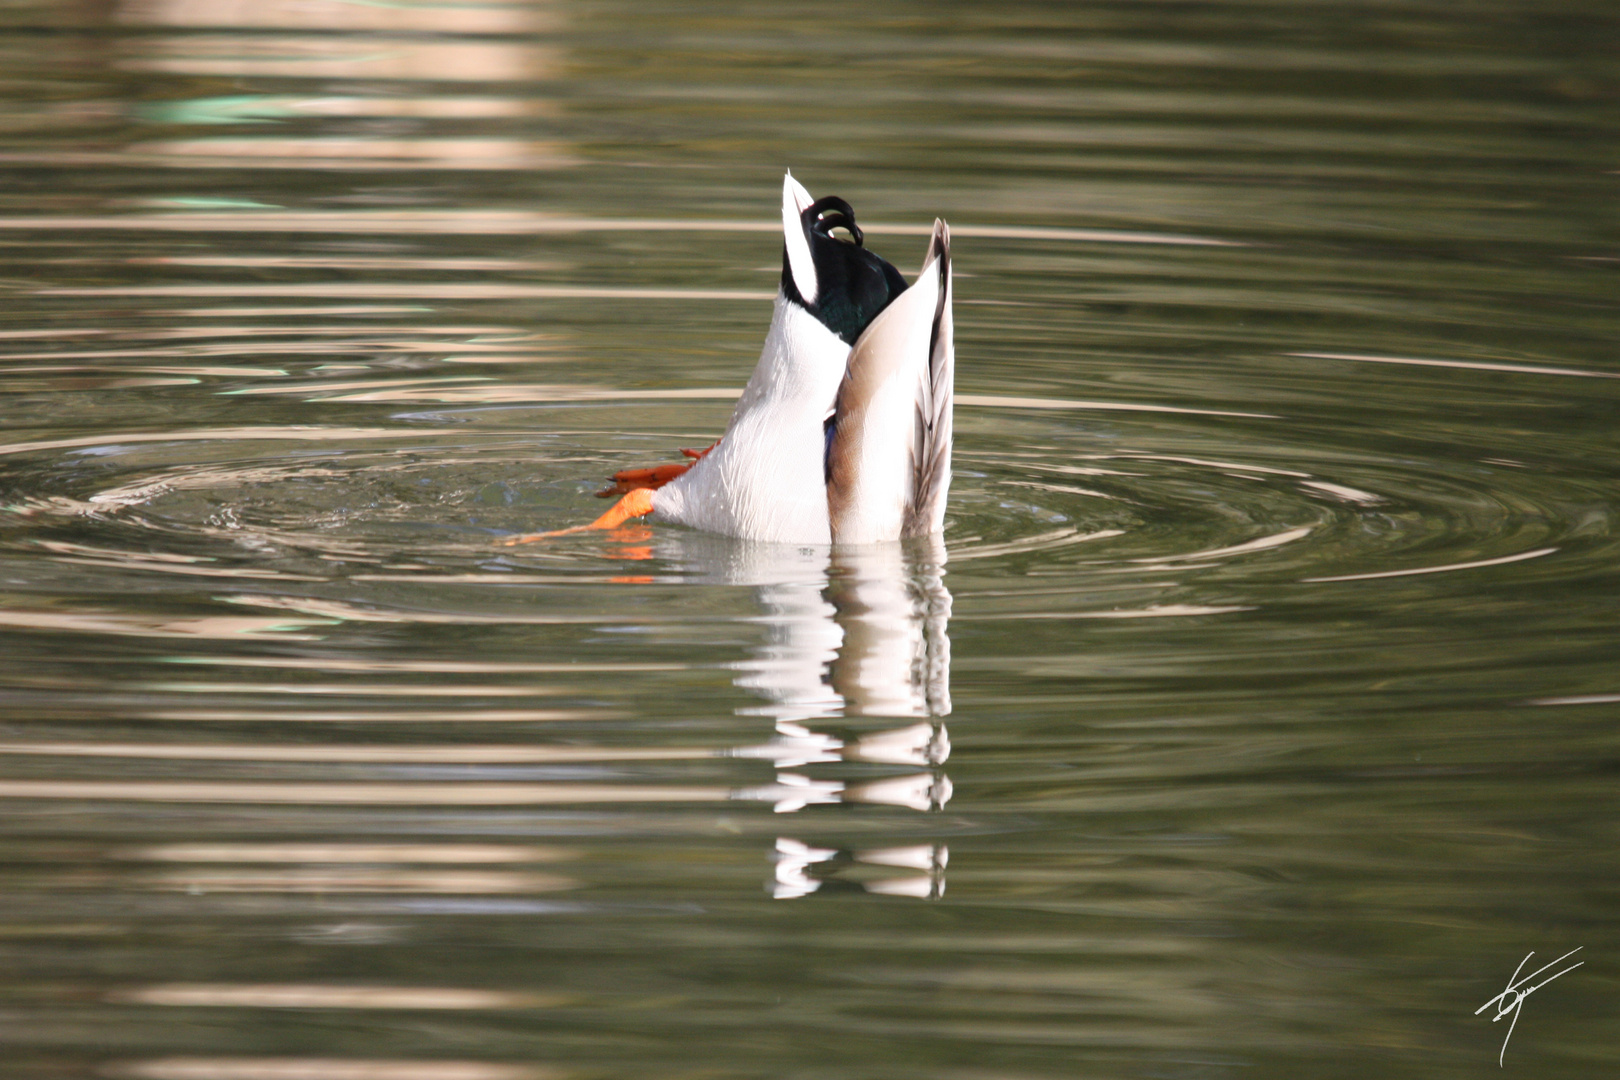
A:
[1511,1000]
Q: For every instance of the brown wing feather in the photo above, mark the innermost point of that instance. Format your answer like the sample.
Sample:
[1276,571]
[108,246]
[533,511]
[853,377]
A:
[882,349]
[932,456]
[861,377]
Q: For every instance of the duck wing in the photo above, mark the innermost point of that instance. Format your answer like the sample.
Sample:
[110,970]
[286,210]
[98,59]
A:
[935,407]
[888,456]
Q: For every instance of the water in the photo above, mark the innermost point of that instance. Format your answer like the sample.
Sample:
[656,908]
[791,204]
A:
[1255,717]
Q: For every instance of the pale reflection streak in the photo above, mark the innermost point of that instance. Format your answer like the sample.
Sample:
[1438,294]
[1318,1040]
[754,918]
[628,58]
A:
[336,388]
[1343,493]
[788,793]
[339,153]
[1232,466]
[290,1068]
[454,854]
[351,868]
[358,880]
[1473,365]
[191,371]
[345,262]
[447,754]
[444,390]
[493,579]
[1445,569]
[365,794]
[317,996]
[494,17]
[412,290]
[919,744]
[261,108]
[999,402]
[216,627]
[1264,543]
[154,562]
[291,434]
[291,310]
[144,488]
[525,223]
[321,56]
[1045,541]
[1152,611]
[340,611]
[259,340]
[349,689]
[149,566]
[338,56]
[368,333]
[472,667]
[306,715]
[1578,699]
[367,222]
[436,388]
[1062,489]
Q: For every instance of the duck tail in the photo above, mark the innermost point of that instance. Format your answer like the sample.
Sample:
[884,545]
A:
[935,414]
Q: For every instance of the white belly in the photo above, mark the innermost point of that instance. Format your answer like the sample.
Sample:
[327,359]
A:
[765,480]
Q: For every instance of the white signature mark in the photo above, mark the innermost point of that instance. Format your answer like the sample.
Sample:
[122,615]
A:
[1511,1000]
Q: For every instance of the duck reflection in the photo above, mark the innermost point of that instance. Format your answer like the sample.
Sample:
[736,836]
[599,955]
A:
[849,634]
[893,606]
[858,631]
[802,870]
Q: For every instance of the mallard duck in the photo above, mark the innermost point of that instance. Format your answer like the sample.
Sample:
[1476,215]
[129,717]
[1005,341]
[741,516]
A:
[843,433]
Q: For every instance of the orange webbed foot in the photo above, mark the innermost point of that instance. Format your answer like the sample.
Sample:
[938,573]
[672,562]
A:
[657,476]
[626,480]
[637,503]
[636,486]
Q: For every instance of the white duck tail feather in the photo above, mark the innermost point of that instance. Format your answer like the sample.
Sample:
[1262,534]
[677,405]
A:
[888,455]
[795,201]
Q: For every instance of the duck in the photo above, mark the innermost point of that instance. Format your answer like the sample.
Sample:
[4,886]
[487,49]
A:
[843,433]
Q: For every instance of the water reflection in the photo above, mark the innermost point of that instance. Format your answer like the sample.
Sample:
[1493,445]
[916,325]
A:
[802,870]
[894,609]
[491,42]
[853,631]
[491,17]
[273,586]
[849,632]
[325,868]
[181,1068]
[306,996]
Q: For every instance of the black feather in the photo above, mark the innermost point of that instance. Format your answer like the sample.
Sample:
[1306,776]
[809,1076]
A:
[852,284]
